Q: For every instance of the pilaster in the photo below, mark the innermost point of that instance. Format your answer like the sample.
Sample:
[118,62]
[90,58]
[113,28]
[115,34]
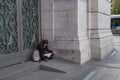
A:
[101,38]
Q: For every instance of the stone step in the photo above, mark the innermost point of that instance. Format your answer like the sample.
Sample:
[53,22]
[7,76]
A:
[58,65]
[19,70]
[43,75]
[58,69]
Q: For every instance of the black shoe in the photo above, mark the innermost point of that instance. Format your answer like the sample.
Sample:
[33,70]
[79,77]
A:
[46,60]
[50,58]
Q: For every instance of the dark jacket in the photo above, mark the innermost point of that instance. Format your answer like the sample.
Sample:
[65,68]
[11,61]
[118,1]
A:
[43,51]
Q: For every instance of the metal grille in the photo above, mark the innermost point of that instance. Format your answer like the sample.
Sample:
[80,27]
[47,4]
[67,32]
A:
[8,27]
[30,23]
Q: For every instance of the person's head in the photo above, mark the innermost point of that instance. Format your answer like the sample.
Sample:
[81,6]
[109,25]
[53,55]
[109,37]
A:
[44,43]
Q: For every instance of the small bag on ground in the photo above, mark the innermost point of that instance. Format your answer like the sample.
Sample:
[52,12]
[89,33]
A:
[36,56]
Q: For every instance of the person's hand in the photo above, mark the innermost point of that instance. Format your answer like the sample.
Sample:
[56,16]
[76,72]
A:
[54,53]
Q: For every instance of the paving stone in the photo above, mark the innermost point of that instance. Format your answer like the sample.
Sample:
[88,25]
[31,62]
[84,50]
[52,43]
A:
[43,75]
[59,65]
[18,70]
[107,77]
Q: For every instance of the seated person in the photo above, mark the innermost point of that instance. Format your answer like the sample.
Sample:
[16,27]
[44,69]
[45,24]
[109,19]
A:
[44,52]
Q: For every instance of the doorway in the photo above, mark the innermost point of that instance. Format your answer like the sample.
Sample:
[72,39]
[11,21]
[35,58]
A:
[19,30]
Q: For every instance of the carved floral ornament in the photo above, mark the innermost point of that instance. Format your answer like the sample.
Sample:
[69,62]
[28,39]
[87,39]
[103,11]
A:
[9,25]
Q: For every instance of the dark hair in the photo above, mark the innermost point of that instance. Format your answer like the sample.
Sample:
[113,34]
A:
[43,42]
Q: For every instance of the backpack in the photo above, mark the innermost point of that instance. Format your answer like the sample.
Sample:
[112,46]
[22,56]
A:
[36,56]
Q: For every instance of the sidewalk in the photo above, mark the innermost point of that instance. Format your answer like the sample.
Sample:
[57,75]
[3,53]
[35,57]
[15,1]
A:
[107,69]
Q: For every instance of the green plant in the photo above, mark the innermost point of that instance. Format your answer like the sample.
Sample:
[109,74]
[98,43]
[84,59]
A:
[116,7]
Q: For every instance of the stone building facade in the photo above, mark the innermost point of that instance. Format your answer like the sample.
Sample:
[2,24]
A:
[79,30]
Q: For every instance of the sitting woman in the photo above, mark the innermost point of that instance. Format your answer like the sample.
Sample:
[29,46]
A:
[44,52]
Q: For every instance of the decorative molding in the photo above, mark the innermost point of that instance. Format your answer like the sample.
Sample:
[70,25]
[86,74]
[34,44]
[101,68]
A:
[99,12]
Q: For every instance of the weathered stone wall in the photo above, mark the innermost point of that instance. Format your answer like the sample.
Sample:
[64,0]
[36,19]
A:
[47,19]
[77,29]
[99,28]
[64,24]
[84,44]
